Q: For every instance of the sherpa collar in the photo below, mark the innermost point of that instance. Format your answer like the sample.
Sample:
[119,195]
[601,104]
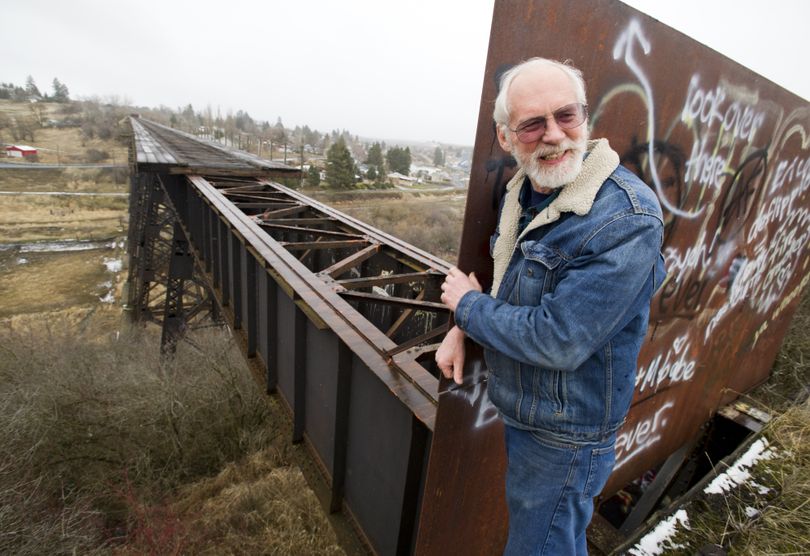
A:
[576,197]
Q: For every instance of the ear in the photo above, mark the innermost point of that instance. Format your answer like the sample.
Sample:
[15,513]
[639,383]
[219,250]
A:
[502,139]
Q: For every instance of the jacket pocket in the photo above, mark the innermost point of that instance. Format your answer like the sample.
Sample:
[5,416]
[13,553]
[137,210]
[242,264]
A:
[538,273]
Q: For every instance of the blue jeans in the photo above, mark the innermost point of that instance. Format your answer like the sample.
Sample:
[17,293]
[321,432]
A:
[550,486]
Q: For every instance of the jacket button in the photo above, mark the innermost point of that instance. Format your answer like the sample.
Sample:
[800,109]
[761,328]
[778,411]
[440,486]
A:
[530,272]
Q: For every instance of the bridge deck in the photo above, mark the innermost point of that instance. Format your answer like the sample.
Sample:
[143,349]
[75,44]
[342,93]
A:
[162,149]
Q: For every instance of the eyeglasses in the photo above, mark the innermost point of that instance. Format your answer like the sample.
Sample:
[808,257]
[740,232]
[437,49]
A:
[567,117]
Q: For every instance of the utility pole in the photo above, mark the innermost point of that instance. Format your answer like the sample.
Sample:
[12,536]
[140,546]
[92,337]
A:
[301,178]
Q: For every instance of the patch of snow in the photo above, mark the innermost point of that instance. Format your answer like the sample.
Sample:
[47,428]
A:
[109,298]
[22,260]
[66,245]
[761,489]
[739,473]
[114,265]
[658,540]
[751,512]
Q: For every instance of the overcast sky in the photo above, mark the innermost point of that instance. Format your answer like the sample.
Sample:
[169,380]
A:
[380,68]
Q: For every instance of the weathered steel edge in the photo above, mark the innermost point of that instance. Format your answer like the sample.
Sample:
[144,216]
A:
[418,391]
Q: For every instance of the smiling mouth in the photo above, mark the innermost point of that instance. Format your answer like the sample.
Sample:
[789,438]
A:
[553,157]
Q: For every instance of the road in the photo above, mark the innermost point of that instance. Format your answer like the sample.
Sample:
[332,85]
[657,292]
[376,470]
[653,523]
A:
[66,193]
[36,166]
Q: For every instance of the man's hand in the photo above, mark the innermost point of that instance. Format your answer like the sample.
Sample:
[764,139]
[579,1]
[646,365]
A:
[455,285]
[450,355]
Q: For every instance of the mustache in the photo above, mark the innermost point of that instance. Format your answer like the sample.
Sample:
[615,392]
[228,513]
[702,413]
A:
[565,145]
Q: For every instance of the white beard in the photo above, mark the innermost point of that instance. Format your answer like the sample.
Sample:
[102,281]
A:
[556,176]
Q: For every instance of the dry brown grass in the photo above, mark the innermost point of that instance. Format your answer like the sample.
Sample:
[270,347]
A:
[430,222]
[259,505]
[53,281]
[85,323]
[781,524]
[68,146]
[25,218]
[101,180]
[108,448]
[58,145]
[34,282]
[94,431]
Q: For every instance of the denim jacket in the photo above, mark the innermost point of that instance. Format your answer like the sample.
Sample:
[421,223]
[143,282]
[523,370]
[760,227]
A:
[569,307]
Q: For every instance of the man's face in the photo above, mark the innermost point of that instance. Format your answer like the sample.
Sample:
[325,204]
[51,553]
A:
[555,158]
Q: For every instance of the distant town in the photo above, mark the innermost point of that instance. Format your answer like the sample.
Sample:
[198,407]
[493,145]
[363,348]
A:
[336,159]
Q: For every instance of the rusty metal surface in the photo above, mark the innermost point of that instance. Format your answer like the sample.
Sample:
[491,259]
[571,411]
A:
[465,513]
[728,154]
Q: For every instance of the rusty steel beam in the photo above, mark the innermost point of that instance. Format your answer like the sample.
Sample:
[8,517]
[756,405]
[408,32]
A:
[335,244]
[311,231]
[383,280]
[344,265]
[398,301]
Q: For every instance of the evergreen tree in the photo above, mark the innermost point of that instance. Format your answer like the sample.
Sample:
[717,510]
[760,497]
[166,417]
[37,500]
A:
[375,160]
[438,157]
[60,91]
[399,160]
[313,176]
[31,88]
[340,169]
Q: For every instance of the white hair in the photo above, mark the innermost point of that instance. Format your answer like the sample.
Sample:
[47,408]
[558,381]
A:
[501,112]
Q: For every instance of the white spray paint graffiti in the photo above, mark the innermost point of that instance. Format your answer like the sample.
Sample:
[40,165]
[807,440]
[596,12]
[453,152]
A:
[478,398]
[646,433]
[761,282]
[736,121]
[738,118]
[727,121]
[625,48]
[673,367]
[696,257]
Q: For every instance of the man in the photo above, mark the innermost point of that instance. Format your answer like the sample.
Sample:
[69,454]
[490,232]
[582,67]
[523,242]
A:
[576,261]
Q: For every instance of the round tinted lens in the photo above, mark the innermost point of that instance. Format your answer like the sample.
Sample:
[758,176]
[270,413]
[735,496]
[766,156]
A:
[570,116]
[529,132]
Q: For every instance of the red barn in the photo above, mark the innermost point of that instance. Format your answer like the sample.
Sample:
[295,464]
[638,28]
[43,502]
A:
[20,151]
